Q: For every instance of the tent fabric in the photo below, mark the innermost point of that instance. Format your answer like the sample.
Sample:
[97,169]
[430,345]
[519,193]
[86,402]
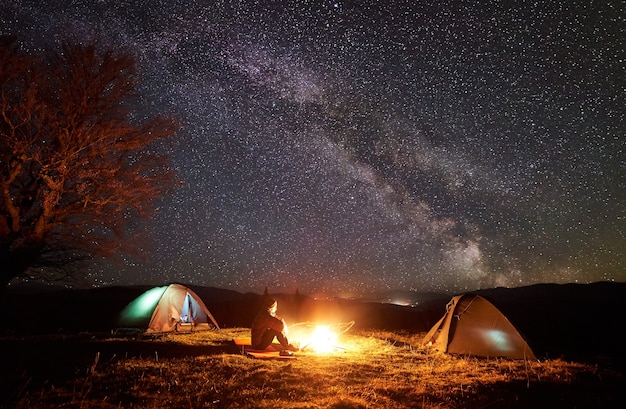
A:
[474,326]
[168,308]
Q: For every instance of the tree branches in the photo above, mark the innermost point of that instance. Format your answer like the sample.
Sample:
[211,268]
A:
[73,161]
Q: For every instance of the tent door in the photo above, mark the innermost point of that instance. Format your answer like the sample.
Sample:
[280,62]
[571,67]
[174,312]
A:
[186,315]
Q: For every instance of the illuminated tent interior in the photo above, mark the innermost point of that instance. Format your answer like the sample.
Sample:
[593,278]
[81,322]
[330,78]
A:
[168,308]
[474,326]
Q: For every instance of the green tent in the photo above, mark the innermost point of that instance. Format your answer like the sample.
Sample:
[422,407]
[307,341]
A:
[169,308]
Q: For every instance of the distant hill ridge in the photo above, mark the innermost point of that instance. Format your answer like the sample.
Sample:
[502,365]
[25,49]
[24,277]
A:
[556,319]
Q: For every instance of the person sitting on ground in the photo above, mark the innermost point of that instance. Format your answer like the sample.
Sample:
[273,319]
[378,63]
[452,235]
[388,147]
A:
[267,326]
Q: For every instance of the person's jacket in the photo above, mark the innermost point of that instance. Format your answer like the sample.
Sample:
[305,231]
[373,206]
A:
[262,322]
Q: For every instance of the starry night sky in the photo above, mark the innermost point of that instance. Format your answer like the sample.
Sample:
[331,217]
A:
[359,146]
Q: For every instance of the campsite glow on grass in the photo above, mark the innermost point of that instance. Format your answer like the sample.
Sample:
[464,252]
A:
[377,369]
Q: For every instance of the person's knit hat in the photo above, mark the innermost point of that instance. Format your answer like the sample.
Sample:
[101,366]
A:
[269,303]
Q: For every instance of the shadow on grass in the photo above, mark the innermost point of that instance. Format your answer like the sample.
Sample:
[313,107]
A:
[591,392]
[35,362]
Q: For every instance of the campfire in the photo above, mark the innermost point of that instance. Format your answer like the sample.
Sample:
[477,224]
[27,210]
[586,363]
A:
[319,338]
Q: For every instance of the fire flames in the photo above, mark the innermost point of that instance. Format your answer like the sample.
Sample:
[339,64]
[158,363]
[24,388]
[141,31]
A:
[318,338]
[323,339]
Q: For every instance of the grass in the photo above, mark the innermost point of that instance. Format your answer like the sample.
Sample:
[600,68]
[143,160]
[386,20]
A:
[373,369]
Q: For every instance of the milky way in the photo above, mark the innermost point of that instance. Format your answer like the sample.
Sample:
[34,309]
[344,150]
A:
[352,147]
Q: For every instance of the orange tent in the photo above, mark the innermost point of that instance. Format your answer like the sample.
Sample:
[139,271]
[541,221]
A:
[474,326]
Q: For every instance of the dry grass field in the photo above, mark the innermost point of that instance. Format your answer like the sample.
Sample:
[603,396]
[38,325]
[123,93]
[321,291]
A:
[369,369]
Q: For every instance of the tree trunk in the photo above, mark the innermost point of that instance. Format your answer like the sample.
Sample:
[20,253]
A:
[15,263]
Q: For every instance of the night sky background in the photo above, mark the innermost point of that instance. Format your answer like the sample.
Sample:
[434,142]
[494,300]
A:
[349,147]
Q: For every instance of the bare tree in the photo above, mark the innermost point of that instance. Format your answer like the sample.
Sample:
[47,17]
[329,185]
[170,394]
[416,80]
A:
[79,160]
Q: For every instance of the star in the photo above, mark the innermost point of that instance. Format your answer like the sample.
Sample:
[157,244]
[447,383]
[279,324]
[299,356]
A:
[354,147]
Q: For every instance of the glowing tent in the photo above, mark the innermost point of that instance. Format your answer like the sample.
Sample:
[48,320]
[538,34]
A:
[169,308]
[474,326]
